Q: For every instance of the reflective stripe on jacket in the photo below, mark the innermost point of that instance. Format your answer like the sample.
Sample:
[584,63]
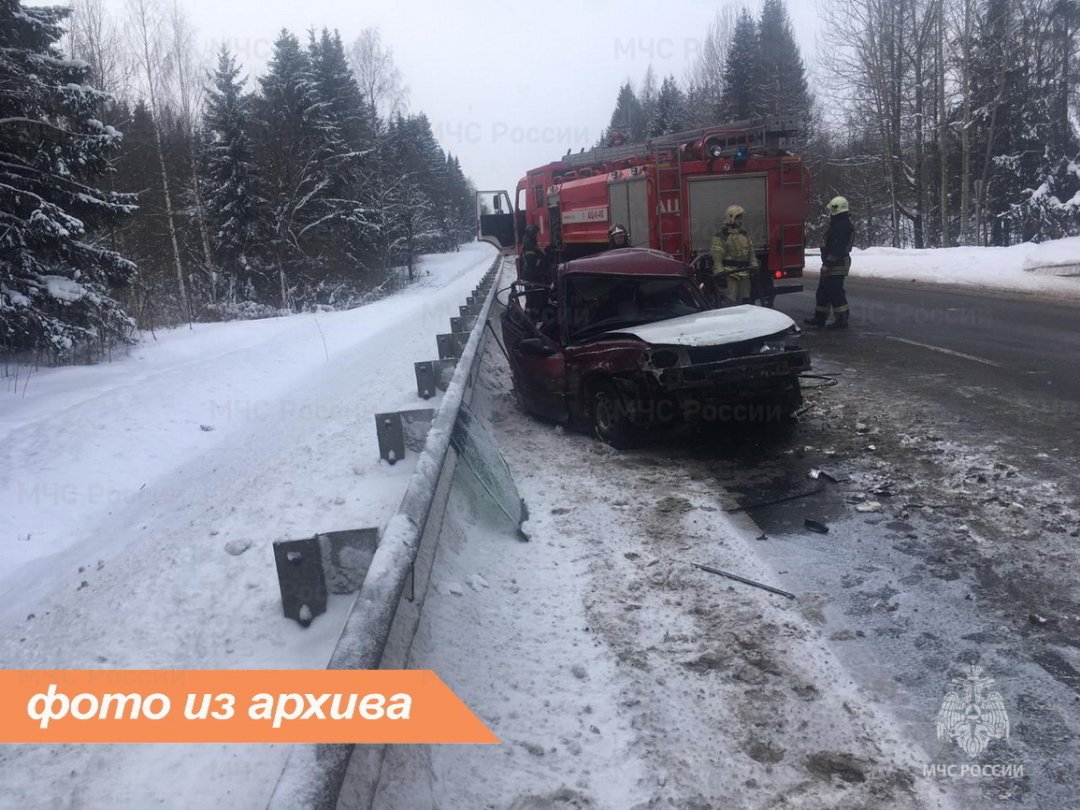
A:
[732,251]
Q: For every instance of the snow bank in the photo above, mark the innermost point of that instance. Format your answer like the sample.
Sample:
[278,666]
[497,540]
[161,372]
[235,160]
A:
[1049,268]
[123,486]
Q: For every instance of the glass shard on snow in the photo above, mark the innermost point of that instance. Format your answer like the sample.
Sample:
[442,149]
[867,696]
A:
[481,455]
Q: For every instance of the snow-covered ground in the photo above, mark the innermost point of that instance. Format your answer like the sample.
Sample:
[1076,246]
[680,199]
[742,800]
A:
[615,673]
[139,501]
[1050,268]
[122,485]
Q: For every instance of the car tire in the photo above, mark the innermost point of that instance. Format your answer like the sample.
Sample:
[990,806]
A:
[610,418]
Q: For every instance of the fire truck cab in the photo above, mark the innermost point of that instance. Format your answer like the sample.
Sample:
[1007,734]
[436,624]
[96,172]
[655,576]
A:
[670,194]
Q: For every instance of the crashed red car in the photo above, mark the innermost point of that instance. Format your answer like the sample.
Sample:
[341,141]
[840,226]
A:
[624,341]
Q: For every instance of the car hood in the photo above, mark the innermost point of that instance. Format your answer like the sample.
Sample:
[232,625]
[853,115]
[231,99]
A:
[714,327]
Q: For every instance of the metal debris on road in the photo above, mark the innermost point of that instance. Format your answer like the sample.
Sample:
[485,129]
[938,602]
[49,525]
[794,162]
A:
[814,526]
[836,477]
[785,499]
[743,580]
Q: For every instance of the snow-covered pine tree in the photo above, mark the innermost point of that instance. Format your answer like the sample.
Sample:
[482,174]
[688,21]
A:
[236,208]
[296,164]
[428,162]
[779,75]
[420,162]
[345,129]
[407,218]
[55,278]
[738,99]
[1051,210]
[463,201]
[669,114]
[647,97]
[626,117]
[1034,164]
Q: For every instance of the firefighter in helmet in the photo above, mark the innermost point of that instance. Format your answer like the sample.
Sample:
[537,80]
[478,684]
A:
[835,263]
[733,256]
[617,237]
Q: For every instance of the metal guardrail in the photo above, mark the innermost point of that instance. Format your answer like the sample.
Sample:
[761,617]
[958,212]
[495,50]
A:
[314,774]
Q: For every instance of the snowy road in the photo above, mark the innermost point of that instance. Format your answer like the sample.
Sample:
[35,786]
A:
[618,676]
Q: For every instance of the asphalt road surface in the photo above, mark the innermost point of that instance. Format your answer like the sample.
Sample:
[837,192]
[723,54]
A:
[1003,363]
[937,460]
[953,531]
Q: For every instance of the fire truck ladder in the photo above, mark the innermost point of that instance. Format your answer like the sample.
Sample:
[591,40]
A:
[774,133]
[668,180]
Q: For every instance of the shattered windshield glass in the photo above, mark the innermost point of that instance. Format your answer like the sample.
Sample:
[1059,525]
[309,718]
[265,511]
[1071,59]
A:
[483,459]
[601,303]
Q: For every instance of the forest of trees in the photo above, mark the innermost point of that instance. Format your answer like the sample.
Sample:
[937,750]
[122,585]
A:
[308,186]
[944,122]
[141,188]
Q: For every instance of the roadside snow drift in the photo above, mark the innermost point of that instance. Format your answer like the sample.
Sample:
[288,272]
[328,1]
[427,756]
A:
[140,500]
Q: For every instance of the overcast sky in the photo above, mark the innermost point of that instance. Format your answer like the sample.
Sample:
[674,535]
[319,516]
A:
[506,88]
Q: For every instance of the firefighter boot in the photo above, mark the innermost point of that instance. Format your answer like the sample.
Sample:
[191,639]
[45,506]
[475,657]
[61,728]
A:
[817,320]
[840,321]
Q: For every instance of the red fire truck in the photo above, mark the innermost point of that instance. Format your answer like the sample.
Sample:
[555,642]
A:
[670,193]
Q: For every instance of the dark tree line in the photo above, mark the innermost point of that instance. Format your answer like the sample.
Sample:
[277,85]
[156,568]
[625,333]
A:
[746,68]
[944,122]
[958,119]
[308,196]
[306,187]
[56,273]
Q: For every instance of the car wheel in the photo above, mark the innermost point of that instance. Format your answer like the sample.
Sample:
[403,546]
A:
[610,417]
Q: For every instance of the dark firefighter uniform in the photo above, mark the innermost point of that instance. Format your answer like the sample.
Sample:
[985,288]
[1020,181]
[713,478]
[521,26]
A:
[835,263]
[733,256]
[530,255]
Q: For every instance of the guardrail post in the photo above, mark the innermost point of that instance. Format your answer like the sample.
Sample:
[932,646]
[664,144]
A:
[399,430]
[301,578]
[451,344]
[314,773]
[391,436]
[433,374]
[425,379]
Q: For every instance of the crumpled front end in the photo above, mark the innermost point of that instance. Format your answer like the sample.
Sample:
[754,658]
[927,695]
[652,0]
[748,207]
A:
[754,380]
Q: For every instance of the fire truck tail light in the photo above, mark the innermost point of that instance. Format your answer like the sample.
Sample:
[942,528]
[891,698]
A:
[778,274]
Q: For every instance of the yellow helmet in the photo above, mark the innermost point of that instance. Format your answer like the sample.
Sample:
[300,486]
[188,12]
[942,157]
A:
[837,205]
[732,213]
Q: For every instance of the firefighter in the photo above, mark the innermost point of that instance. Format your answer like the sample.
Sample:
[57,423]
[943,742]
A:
[530,254]
[835,263]
[733,256]
[617,237]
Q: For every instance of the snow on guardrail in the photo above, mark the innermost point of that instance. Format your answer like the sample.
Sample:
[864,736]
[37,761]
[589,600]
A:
[314,773]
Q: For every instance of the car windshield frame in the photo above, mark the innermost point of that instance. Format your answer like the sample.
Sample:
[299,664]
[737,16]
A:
[627,300]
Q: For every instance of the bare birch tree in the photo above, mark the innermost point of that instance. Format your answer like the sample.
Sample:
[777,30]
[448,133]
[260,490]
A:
[379,78]
[95,38]
[150,48]
[188,70]
[705,77]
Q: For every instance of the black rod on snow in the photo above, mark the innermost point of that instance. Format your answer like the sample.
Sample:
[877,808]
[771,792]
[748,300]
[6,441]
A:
[743,580]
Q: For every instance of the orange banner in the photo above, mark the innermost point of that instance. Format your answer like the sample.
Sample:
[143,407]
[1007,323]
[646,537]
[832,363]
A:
[233,706]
